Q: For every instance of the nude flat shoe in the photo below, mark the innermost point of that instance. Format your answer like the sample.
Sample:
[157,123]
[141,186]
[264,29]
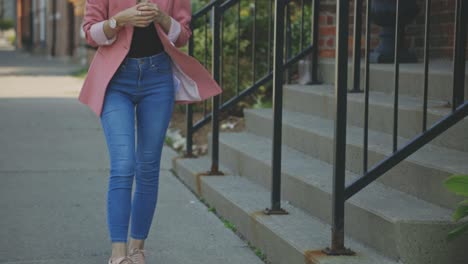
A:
[137,255]
[120,260]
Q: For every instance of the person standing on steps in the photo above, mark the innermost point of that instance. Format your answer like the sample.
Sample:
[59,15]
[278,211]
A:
[138,68]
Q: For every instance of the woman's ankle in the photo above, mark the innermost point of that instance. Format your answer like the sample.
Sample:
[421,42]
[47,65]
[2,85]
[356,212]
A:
[136,243]
[119,249]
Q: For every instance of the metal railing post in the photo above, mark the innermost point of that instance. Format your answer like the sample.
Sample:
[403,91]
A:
[397,60]
[315,33]
[341,77]
[357,47]
[189,110]
[461,22]
[278,70]
[215,100]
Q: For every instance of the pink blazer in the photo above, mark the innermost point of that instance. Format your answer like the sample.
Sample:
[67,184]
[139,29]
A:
[193,82]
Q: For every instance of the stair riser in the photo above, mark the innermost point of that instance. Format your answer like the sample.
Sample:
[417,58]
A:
[411,81]
[410,177]
[186,176]
[380,117]
[366,227]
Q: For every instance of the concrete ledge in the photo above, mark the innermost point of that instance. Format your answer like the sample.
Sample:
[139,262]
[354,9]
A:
[293,238]
[374,216]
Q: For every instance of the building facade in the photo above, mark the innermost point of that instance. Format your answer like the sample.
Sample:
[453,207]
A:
[50,27]
[54,27]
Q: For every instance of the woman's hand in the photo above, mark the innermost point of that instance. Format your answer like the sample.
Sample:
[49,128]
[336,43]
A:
[139,16]
[158,15]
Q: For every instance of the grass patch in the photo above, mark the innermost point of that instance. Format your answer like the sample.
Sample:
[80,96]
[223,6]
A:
[257,251]
[212,209]
[230,225]
[12,39]
[168,141]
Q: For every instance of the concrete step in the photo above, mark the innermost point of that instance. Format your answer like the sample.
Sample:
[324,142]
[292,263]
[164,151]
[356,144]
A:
[395,224]
[411,78]
[319,100]
[421,174]
[294,238]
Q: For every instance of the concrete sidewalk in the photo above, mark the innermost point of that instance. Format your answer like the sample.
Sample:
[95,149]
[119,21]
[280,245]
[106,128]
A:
[54,175]
[21,63]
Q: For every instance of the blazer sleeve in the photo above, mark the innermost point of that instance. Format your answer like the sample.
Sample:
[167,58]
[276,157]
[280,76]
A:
[182,13]
[93,23]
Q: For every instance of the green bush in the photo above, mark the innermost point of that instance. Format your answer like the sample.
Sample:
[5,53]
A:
[458,184]
[238,70]
[12,39]
[6,24]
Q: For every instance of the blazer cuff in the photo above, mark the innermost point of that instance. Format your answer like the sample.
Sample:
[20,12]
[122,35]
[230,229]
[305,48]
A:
[174,31]
[98,35]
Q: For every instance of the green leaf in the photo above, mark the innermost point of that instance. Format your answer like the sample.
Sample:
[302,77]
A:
[460,212]
[457,184]
[458,231]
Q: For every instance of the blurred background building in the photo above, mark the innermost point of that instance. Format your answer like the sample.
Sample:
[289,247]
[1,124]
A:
[7,9]
[51,28]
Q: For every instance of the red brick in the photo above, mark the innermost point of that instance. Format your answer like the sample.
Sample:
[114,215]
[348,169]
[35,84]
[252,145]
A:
[329,53]
[323,19]
[321,43]
[327,31]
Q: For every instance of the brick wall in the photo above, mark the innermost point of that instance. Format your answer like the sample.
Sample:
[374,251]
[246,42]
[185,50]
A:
[327,29]
[441,38]
[442,29]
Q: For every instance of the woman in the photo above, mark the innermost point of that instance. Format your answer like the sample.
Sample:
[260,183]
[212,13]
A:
[138,66]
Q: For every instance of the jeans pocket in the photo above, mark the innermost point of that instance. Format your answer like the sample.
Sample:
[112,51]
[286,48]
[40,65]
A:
[161,68]
[163,65]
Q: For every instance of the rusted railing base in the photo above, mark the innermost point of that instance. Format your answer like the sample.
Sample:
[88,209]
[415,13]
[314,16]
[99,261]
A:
[280,211]
[213,171]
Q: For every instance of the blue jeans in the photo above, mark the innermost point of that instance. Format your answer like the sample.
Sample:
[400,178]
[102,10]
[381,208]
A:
[145,85]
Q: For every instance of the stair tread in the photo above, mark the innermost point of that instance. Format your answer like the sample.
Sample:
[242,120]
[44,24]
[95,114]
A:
[432,156]
[319,174]
[437,66]
[301,230]
[437,107]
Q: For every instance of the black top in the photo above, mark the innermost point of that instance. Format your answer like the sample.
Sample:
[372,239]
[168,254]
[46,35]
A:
[145,42]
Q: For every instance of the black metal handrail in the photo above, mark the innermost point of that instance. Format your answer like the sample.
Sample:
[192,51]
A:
[341,192]
[283,60]
[217,10]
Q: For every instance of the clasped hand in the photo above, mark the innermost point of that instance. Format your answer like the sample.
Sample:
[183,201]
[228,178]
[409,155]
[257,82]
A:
[140,15]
